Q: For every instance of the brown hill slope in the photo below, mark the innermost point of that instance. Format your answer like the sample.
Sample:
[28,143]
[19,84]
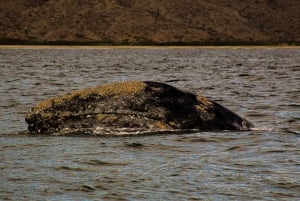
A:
[151,21]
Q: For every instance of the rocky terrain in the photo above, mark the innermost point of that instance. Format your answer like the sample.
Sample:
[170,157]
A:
[150,21]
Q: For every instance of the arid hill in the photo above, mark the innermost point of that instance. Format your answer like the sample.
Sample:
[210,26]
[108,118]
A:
[150,21]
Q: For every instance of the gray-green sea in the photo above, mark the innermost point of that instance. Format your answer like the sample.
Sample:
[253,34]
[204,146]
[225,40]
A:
[260,84]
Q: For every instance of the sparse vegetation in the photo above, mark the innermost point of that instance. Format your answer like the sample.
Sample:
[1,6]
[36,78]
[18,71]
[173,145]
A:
[118,22]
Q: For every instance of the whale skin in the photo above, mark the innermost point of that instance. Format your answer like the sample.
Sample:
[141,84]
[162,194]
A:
[132,107]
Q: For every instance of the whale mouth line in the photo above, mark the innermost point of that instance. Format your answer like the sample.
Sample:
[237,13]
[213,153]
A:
[118,131]
[125,128]
[102,131]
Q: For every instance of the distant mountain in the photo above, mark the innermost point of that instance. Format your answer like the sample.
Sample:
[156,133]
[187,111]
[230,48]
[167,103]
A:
[150,21]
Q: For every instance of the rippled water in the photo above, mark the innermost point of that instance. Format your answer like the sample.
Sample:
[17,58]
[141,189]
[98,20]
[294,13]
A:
[261,84]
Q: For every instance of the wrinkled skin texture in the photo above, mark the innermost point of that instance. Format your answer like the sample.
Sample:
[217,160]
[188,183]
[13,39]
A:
[140,107]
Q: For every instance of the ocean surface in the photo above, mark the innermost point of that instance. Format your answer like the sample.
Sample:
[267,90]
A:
[261,84]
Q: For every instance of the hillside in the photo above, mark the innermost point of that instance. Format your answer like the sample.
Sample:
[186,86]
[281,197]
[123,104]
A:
[150,21]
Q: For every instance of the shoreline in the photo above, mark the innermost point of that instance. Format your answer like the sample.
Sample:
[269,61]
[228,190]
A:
[145,46]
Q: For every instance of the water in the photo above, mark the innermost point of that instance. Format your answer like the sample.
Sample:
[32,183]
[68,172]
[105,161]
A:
[261,84]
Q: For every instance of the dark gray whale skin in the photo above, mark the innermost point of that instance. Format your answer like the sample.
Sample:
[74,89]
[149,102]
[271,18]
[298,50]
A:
[136,106]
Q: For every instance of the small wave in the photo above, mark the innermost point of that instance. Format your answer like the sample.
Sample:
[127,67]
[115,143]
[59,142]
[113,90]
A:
[272,129]
[292,131]
[104,163]
[83,188]
[261,129]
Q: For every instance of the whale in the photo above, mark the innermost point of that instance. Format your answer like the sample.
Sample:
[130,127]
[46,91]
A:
[131,107]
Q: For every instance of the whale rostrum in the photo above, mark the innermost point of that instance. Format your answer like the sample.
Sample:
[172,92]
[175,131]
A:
[135,107]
